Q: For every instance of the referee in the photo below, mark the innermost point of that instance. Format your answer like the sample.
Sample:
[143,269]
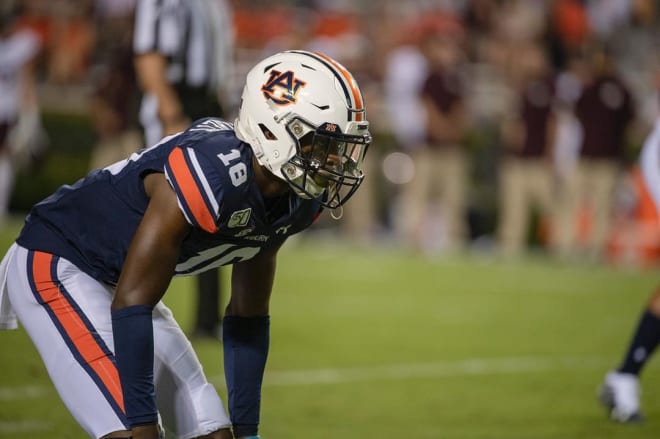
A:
[184,64]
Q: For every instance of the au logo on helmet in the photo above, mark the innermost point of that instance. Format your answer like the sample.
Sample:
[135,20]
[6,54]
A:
[282,87]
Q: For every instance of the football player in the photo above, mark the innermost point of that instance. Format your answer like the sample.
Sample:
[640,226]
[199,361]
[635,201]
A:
[92,262]
[621,391]
[21,136]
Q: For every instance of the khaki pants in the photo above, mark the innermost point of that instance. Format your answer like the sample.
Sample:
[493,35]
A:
[591,185]
[441,177]
[524,185]
[359,221]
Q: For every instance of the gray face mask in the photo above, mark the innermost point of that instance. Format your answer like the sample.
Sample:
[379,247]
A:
[328,163]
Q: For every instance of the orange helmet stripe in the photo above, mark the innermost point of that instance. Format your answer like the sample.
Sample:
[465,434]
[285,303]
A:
[350,81]
[349,84]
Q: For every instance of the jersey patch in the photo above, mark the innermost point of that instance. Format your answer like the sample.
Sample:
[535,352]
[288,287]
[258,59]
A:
[240,218]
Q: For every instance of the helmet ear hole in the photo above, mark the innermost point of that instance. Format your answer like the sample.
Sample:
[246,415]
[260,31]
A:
[268,134]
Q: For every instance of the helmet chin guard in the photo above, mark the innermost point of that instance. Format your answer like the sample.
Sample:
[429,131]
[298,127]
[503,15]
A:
[303,115]
[328,164]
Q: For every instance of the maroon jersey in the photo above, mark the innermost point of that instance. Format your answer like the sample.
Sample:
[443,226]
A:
[536,104]
[604,110]
[445,90]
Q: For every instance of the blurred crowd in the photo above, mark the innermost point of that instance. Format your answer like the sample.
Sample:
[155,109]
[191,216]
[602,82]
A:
[504,125]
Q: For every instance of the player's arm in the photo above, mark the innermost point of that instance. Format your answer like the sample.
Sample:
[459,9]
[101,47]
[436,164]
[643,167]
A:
[149,267]
[150,63]
[246,333]
[252,283]
[151,69]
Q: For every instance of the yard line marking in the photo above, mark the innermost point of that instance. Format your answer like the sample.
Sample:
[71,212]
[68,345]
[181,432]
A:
[25,392]
[13,427]
[440,369]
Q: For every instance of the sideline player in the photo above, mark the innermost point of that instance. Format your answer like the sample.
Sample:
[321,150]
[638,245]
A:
[621,391]
[86,275]
[20,126]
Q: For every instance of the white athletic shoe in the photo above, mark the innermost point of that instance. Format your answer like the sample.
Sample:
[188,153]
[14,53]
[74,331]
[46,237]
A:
[620,395]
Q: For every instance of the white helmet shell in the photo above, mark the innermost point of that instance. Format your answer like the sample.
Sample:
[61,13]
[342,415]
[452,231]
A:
[296,85]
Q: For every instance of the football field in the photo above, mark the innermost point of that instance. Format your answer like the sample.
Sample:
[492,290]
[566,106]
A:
[377,343]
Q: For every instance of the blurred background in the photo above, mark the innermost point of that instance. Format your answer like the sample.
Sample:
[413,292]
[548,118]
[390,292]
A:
[488,116]
[500,126]
[486,275]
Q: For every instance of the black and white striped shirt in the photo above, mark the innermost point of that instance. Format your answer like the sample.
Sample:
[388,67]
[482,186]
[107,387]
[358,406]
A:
[195,35]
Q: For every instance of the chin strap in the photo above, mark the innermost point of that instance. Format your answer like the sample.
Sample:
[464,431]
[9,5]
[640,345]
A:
[337,212]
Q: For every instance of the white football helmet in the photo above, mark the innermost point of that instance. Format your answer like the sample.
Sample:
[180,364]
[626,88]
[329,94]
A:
[303,115]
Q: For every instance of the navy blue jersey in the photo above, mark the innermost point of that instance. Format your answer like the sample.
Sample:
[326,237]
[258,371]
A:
[92,222]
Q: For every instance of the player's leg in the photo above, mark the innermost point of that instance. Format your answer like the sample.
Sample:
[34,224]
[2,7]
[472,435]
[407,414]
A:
[621,389]
[545,198]
[604,176]
[569,200]
[621,392]
[452,168]
[66,314]
[645,339]
[414,201]
[512,222]
[188,404]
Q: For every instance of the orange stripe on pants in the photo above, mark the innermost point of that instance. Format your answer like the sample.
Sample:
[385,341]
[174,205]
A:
[74,327]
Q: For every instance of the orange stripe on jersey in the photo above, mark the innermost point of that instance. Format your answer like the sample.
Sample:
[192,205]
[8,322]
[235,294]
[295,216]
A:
[350,81]
[193,197]
[74,327]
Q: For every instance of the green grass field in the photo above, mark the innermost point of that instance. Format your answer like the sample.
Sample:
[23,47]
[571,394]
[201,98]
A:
[382,344]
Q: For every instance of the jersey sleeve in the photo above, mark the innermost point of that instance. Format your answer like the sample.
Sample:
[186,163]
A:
[193,182]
